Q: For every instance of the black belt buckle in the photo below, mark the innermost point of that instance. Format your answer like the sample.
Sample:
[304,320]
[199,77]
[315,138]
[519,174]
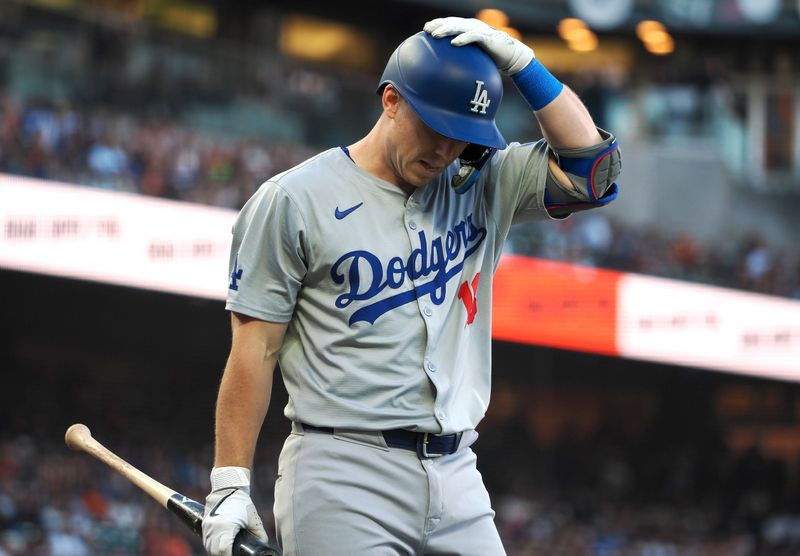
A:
[422,446]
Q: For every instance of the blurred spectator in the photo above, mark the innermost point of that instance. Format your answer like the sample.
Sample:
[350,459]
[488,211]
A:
[111,150]
[592,493]
[598,240]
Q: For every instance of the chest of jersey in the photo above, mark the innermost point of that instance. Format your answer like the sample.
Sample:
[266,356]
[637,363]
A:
[379,252]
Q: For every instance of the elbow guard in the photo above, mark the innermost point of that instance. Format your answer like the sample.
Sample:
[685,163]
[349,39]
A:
[591,171]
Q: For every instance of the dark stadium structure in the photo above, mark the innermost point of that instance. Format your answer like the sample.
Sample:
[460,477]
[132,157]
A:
[199,102]
[577,449]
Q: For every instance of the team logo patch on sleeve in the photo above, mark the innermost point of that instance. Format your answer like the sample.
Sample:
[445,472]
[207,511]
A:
[236,275]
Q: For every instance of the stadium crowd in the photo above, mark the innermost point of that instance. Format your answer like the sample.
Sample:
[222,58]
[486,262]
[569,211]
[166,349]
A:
[576,463]
[576,495]
[593,494]
[113,150]
[594,239]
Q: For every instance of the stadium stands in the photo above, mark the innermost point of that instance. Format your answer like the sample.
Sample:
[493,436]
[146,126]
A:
[177,118]
[117,151]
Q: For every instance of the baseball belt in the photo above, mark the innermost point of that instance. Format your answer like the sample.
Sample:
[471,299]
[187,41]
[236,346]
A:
[425,444]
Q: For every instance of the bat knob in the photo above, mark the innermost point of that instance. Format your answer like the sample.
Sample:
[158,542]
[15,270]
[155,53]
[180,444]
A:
[77,435]
[247,544]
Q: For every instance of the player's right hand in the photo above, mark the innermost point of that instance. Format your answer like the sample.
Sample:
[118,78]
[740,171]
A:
[509,54]
[229,509]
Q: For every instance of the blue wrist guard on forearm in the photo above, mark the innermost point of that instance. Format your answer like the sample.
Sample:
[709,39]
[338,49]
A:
[538,86]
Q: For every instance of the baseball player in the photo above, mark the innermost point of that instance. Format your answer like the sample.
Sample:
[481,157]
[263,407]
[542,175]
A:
[366,271]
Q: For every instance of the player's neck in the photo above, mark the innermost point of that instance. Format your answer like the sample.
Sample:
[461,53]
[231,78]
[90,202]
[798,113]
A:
[370,155]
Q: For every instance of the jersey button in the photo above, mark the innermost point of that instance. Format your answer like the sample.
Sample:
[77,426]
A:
[440,415]
[412,225]
[431,367]
[427,311]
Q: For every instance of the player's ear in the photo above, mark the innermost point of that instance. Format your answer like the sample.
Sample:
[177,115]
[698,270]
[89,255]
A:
[390,100]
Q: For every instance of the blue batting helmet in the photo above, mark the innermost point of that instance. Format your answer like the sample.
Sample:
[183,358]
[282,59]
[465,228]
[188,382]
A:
[455,90]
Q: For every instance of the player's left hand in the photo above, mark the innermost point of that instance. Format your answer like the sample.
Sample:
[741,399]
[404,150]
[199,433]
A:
[509,54]
[229,509]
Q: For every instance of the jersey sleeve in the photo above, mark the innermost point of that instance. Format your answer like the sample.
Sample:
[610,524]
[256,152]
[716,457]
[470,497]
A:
[516,183]
[268,256]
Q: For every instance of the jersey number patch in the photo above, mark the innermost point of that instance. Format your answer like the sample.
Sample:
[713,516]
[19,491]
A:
[468,294]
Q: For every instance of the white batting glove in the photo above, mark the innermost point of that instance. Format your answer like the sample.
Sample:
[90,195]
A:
[509,54]
[229,509]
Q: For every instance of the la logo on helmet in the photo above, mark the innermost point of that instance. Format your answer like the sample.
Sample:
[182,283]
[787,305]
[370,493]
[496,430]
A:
[480,101]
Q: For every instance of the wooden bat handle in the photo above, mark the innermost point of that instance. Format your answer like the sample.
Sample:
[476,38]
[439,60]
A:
[79,437]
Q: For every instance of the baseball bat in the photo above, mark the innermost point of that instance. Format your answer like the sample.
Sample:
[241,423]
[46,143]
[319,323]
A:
[190,512]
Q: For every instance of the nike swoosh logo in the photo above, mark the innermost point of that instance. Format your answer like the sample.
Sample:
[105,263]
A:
[213,512]
[342,213]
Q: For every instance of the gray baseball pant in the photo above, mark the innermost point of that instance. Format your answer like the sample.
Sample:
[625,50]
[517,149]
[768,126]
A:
[348,494]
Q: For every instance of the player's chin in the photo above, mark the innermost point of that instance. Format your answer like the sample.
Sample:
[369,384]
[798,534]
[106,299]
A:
[421,173]
[429,170]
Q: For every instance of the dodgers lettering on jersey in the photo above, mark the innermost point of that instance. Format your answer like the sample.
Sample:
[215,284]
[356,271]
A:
[458,244]
[387,297]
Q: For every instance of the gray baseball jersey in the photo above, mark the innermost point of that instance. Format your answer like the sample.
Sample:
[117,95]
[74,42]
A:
[388,297]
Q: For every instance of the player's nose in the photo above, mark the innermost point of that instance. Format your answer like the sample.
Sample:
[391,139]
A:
[448,149]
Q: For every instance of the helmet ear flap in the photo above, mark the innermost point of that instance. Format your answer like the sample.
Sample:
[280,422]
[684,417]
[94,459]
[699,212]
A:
[472,153]
[472,159]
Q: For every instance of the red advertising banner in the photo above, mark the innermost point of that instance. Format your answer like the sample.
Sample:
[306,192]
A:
[555,304]
[132,240]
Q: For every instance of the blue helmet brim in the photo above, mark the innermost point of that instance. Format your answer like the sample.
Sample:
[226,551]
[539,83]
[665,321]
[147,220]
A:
[458,126]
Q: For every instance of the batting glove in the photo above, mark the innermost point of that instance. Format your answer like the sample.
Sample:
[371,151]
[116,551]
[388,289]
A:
[509,54]
[229,509]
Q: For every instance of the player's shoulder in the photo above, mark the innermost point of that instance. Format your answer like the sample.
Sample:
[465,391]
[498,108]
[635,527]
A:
[309,175]
[296,187]
[520,151]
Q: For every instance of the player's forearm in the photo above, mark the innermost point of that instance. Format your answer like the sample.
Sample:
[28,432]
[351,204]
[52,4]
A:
[245,390]
[242,403]
[564,120]
[566,123]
